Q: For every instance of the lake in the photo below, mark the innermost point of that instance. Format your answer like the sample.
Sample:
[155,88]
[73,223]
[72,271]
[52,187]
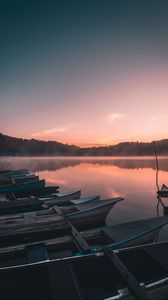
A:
[133,178]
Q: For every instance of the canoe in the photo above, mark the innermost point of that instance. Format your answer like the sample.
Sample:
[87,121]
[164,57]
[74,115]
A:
[36,192]
[33,204]
[21,186]
[24,179]
[124,235]
[43,224]
[61,196]
[69,199]
[105,275]
[14,173]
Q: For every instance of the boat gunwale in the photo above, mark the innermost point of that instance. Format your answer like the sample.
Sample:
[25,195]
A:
[113,201]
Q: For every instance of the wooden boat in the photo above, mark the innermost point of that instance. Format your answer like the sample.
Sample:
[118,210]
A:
[10,210]
[133,273]
[117,236]
[14,173]
[36,192]
[24,179]
[34,203]
[163,192]
[21,186]
[16,228]
[69,199]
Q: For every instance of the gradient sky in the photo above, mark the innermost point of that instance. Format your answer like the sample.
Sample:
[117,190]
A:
[84,72]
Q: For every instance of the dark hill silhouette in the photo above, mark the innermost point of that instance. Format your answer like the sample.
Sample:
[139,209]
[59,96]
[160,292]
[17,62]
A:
[11,146]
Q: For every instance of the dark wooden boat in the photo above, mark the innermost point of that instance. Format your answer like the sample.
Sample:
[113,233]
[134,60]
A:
[32,203]
[21,186]
[117,236]
[19,171]
[62,197]
[11,181]
[133,273]
[14,173]
[163,191]
[36,192]
[42,224]
[69,199]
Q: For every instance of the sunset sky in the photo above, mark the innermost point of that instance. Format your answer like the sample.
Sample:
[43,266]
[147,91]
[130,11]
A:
[84,72]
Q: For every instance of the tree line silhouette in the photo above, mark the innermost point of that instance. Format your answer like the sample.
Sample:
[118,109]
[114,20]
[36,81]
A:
[11,146]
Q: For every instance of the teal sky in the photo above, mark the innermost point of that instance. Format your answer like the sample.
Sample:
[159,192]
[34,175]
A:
[84,72]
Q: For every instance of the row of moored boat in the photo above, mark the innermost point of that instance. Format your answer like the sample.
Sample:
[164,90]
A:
[61,248]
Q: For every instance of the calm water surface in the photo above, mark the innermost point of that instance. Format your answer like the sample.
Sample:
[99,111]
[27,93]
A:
[132,178]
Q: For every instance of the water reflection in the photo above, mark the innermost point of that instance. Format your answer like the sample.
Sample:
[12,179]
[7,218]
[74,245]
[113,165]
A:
[130,178]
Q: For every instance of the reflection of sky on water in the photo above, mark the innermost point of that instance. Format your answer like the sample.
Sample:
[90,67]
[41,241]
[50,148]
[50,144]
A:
[130,178]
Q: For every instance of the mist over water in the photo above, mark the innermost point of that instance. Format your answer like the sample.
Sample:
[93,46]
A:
[132,178]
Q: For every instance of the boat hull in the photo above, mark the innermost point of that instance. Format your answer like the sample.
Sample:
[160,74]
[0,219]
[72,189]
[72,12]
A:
[22,186]
[24,179]
[91,217]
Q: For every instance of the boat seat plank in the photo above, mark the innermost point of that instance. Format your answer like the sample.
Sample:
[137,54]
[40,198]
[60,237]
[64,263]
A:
[36,253]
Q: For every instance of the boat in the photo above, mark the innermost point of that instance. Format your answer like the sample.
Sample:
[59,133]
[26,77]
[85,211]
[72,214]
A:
[69,199]
[116,236]
[23,179]
[36,192]
[39,203]
[21,186]
[163,192]
[46,223]
[19,171]
[33,204]
[14,173]
[132,273]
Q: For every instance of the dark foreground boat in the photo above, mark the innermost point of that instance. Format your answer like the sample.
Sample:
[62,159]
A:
[140,271]
[21,186]
[45,224]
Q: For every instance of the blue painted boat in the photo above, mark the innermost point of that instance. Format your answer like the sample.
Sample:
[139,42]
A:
[30,178]
[19,171]
[69,199]
[40,192]
[6,188]
[13,173]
